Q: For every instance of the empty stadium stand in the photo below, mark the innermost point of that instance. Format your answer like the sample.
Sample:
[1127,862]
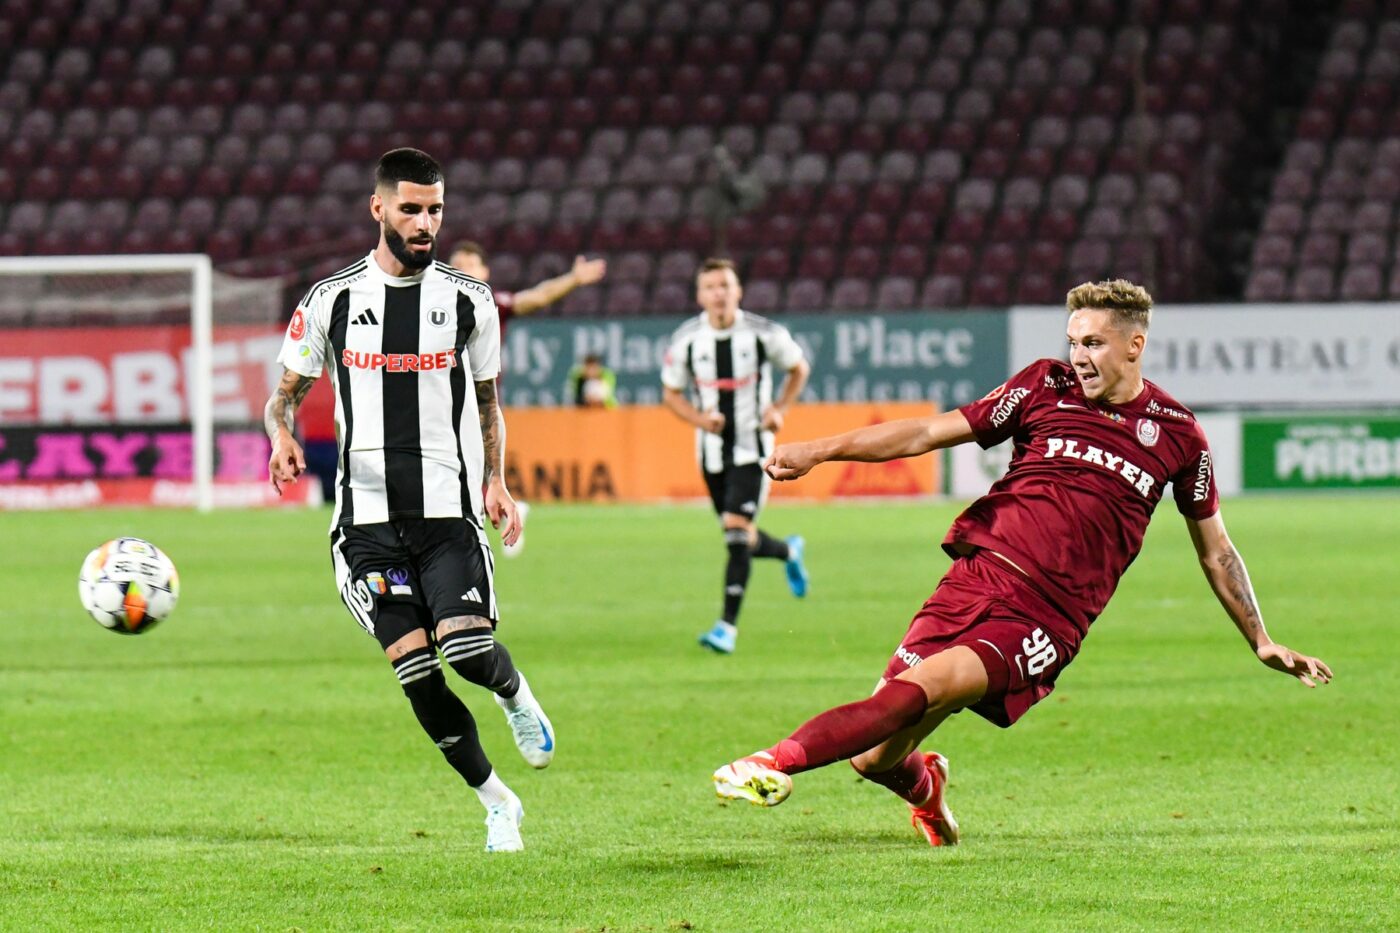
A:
[916,153]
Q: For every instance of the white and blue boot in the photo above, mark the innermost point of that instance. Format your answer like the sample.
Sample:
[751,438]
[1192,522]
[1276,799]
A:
[530,727]
[796,569]
[722,638]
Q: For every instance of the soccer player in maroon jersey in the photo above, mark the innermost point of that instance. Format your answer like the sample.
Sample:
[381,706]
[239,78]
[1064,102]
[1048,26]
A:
[1035,559]
[470,257]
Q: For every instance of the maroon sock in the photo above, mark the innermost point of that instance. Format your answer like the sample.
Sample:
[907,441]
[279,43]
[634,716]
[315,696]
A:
[910,779]
[851,729]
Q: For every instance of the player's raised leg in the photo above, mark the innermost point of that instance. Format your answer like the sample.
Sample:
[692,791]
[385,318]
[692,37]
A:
[791,551]
[918,778]
[455,567]
[469,645]
[738,530]
[450,725]
[942,684]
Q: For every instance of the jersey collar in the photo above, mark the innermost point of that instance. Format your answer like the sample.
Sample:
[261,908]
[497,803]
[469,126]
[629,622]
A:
[738,318]
[395,281]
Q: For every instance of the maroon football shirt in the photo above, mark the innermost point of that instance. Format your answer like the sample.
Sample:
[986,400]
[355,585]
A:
[505,309]
[1083,482]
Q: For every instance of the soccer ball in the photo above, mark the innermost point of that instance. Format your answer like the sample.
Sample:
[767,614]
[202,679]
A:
[128,585]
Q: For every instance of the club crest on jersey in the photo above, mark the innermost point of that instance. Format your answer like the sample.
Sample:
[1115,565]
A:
[437,317]
[297,329]
[1148,432]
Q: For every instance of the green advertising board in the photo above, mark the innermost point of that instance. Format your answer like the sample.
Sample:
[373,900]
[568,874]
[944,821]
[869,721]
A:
[947,357]
[1322,452]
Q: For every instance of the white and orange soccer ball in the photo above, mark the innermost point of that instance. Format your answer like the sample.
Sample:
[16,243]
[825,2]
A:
[128,585]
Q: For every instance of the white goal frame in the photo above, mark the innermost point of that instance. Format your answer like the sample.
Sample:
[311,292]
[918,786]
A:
[201,271]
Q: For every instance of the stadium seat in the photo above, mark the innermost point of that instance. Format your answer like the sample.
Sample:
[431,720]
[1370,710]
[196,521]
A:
[805,294]
[850,295]
[1314,283]
[942,291]
[896,293]
[1266,284]
[1362,282]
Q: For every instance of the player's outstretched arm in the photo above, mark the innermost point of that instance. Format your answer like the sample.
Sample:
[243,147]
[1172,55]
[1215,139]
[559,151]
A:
[908,437]
[500,505]
[279,414]
[584,272]
[1224,569]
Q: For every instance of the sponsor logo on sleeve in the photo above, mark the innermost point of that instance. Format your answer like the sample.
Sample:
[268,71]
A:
[297,328]
[996,393]
[1007,406]
[1201,491]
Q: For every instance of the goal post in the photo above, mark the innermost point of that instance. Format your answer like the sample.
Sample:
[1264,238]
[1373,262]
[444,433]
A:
[117,349]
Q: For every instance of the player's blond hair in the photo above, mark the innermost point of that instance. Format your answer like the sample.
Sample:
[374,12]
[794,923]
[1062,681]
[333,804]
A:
[714,264]
[1130,304]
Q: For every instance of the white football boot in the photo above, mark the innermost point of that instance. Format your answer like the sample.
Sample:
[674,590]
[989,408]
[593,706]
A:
[530,727]
[753,779]
[503,826]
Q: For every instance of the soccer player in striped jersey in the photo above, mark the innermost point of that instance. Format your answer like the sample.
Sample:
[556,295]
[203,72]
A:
[718,376]
[413,350]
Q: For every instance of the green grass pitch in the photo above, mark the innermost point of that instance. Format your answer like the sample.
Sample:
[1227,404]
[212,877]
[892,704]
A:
[252,764]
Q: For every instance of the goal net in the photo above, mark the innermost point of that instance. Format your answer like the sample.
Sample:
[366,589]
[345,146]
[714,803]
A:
[136,380]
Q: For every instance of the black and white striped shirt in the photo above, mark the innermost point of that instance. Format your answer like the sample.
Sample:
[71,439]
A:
[403,354]
[731,372]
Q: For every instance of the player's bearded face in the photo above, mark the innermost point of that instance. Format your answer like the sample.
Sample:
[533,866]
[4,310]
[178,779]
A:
[410,217]
[412,257]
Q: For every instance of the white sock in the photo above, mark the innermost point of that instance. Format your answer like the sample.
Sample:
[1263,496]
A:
[522,693]
[493,791]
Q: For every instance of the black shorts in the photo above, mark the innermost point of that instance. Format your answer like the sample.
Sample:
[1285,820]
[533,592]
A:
[739,490]
[436,568]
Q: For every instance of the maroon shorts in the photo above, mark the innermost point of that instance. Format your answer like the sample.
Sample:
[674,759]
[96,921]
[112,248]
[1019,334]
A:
[992,609]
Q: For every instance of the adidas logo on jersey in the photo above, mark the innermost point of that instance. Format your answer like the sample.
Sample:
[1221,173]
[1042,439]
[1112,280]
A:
[471,596]
[366,317]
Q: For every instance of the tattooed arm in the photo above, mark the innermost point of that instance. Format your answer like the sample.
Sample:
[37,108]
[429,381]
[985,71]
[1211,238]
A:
[493,430]
[287,461]
[499,504]
[1224,569]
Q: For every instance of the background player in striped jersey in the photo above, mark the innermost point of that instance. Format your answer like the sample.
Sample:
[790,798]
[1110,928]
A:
[470,257]
[1035,559]
[413,351]
[725,358]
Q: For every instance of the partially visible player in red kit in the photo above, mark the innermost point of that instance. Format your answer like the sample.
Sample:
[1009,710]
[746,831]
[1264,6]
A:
[1035,559]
